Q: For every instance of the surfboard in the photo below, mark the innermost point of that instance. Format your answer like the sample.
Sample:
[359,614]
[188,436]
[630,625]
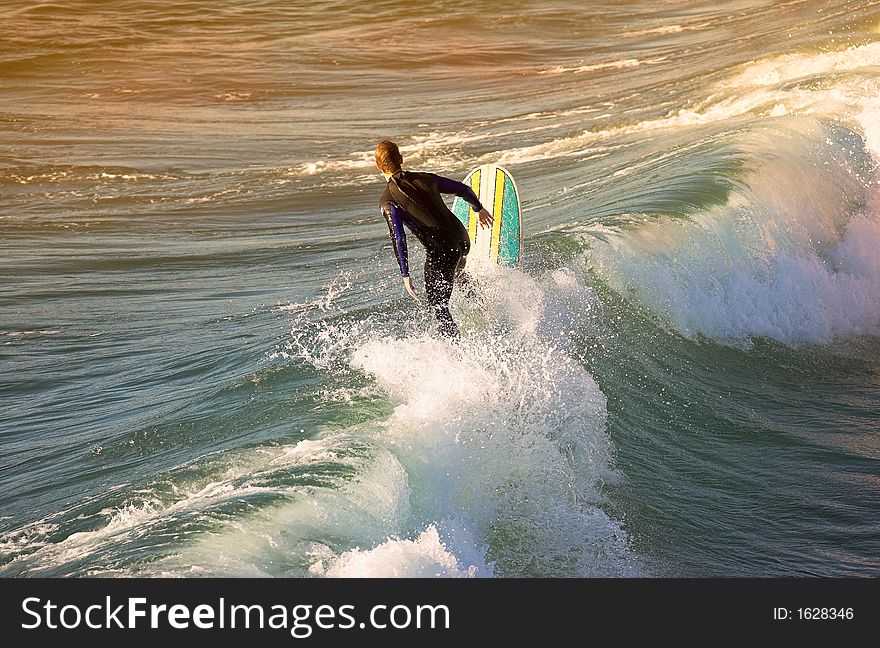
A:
[501,244]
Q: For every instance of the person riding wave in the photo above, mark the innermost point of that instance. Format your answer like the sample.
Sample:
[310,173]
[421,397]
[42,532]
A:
[413,201]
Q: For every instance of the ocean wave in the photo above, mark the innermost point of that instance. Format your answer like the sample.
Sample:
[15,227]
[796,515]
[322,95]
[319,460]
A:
[779,70]
[789,256]
[185,501]
[759,88]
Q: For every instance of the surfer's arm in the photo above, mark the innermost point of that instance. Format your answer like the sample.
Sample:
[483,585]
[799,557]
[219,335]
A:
[394,219]
[450,186]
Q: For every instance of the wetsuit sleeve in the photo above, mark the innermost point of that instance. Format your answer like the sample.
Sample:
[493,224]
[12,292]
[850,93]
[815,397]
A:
[394,219]
[450,186]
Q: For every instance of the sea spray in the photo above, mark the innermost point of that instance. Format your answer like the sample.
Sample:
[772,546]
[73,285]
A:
[503,436]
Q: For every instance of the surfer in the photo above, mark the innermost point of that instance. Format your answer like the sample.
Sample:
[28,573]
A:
[413,200]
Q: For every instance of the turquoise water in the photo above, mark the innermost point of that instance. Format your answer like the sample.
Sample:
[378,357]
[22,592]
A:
[210,366]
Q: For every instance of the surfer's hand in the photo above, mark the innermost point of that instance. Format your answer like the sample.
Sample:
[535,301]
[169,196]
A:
[407,283]
[485,218]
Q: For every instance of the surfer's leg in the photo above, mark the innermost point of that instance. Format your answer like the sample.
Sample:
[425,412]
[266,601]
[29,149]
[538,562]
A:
[439,275]
[463,278]
[468,285]
[470,288]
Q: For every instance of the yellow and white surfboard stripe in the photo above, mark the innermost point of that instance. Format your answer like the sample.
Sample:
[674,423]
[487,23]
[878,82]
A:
[472,221]
[488,183]
[497,214]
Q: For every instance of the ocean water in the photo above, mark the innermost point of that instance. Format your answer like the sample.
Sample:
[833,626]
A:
[208,365]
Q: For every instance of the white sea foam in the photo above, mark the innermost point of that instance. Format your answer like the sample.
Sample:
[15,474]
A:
[337,286]
[233,96]
[608,65]
[663,30]
[503,438]
[869,119]
[791,67]
[425,557]
[39,333]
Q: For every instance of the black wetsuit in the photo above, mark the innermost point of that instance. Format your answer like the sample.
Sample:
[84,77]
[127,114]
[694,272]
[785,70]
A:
[413,200]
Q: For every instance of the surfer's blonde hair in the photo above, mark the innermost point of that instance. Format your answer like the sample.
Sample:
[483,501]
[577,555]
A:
[388,157]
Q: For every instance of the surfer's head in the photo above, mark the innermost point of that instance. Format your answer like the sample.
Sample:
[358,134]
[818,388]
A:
[388,157]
